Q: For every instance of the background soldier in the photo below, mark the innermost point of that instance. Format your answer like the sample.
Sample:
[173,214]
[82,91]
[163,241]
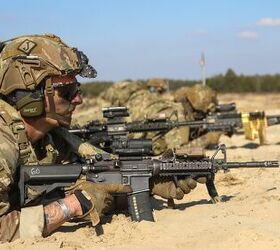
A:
[199,100]
[187,103]
[144,104]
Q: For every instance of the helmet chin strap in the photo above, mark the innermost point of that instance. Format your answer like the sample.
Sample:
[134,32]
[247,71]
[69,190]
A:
[60,117]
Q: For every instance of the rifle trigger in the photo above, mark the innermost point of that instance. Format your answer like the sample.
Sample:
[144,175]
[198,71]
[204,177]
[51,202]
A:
[175,181]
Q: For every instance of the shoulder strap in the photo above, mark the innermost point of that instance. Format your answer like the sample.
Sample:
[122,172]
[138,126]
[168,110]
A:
[18,129]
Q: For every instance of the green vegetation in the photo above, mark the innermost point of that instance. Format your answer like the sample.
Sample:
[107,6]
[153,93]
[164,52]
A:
[229,82]
[94,88]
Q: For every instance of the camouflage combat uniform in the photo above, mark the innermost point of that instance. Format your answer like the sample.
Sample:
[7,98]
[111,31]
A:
[27,65]
[9,158]
[199,100]
[17,150]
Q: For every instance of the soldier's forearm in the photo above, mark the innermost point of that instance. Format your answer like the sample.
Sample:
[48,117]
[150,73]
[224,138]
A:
[59,212]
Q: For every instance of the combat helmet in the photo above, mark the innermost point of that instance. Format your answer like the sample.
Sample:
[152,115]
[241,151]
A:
[157,85]
[201,97]
[120,92]
[27,64]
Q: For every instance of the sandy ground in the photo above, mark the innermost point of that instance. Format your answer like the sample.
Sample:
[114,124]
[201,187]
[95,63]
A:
[248,219]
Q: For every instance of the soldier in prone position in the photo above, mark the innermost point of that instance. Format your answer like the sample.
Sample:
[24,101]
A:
[154,103]
[39,92]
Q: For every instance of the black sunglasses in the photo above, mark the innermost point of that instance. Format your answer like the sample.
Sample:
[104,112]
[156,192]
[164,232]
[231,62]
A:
[69,91]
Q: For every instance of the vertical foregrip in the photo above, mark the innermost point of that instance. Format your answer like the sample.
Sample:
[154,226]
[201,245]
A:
[140,206]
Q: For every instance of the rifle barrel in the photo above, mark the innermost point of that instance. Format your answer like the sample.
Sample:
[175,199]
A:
[253,164]
[273,120]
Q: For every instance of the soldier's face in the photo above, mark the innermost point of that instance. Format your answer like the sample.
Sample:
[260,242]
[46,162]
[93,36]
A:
[66,97]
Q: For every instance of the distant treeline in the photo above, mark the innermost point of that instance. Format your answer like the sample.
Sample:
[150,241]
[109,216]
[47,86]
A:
[229,82]
[94,88]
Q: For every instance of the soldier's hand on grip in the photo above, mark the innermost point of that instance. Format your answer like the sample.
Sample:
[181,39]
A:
[96,199]
[167,188]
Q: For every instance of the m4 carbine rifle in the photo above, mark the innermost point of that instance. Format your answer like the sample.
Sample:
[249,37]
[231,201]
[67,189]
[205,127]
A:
[136,172]
[113,135]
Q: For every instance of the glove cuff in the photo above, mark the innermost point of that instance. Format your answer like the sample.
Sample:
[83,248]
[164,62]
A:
[85,200]
[87,206]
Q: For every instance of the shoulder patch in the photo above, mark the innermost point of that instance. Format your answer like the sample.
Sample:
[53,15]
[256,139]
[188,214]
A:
[26,46]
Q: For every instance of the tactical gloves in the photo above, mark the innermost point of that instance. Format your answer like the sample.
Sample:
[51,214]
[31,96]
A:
[167,188]
[96,199]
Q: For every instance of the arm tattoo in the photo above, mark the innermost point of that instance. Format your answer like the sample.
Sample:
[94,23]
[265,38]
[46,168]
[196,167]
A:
[56,213]
[54,217]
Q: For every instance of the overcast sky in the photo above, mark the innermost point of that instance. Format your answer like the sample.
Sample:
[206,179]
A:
[139,39]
